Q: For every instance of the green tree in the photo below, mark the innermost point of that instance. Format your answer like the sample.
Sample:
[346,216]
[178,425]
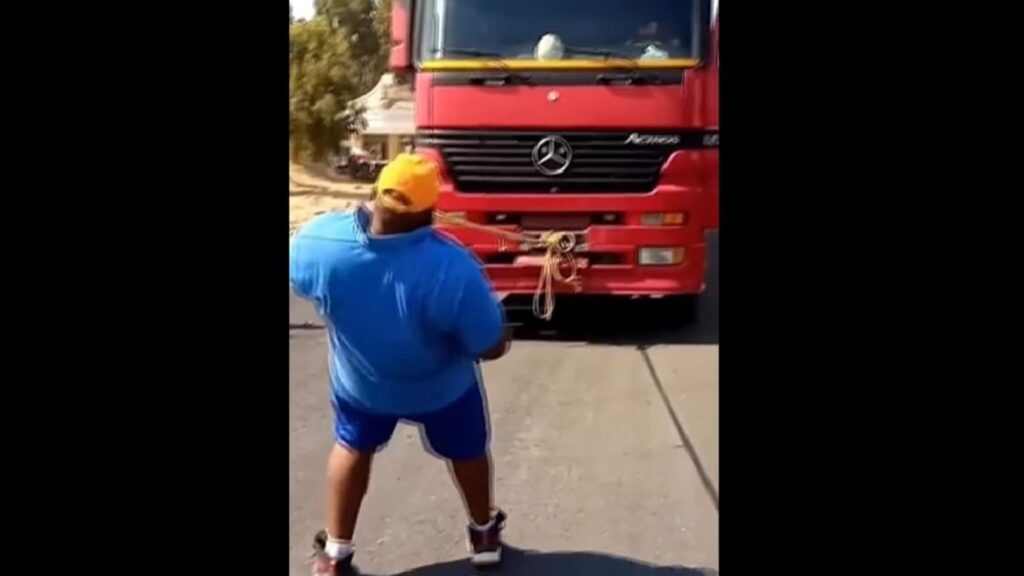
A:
[382,27]
[322,83]
[335,57]
[355,20]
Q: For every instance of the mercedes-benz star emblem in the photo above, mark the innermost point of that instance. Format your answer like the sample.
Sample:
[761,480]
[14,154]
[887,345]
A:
[552,155]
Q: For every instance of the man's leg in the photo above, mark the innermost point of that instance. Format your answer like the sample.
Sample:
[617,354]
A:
[459,433]
[348,475]
[358,435]
[473,478]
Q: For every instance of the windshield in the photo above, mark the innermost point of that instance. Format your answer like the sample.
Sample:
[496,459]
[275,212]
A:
[558,29]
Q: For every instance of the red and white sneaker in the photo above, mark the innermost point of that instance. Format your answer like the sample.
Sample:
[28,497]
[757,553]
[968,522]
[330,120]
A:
[485,545]
[324,565]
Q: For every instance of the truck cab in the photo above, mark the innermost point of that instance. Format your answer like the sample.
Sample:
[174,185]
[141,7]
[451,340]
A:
[594,117]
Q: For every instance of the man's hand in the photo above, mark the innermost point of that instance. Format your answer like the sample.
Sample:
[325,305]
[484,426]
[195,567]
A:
[501,348]
[505,343]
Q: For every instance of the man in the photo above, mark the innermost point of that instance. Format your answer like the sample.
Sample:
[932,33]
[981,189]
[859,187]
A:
[409,315]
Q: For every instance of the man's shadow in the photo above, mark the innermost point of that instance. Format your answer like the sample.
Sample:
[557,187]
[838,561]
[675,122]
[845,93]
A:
[534,563]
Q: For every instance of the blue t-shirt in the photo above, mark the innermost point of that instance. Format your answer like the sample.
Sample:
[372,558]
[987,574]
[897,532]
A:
[408,315]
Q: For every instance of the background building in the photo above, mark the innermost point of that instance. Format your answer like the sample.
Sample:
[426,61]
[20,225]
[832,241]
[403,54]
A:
[388,119]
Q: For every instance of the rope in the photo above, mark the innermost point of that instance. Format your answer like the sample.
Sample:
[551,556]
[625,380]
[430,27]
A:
[558,253]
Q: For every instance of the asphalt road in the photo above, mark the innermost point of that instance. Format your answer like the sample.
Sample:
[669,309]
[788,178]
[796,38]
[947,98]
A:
[605,446]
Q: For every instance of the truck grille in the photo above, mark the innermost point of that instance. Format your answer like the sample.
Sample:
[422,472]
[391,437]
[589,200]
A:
[602,162]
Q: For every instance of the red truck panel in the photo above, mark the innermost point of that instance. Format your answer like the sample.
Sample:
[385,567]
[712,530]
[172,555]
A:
[688,182]
[575,107]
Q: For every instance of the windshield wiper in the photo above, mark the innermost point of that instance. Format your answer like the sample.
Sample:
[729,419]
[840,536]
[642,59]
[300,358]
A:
[499,79]
[584,51]
[633,77]
[471,52]
[629,79]
[606,54]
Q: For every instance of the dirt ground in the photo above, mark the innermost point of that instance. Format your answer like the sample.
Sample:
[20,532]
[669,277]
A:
[316,190]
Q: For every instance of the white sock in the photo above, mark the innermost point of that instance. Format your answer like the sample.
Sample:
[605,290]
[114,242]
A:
[483,528]
[337,548]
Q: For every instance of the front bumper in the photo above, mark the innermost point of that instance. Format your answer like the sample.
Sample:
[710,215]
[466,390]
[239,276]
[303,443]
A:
[620,242]
[626,280]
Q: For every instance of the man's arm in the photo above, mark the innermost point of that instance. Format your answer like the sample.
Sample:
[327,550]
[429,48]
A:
[302,270]
[475,315]
[505,343]
[501,348]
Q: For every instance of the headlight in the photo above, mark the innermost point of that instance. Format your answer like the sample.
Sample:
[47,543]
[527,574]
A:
[661,256]
[663,219]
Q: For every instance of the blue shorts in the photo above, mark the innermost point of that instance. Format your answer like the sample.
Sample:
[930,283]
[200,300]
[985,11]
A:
[458,431]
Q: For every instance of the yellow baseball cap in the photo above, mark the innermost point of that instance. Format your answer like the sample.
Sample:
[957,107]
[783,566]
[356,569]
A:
[414,178]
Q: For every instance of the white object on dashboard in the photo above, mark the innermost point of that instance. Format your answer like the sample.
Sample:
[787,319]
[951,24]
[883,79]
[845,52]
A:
[652,52]
[549,47]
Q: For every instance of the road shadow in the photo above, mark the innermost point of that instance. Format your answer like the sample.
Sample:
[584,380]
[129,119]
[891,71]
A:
[618,321]
[305,326]
[533,563]
[598,320]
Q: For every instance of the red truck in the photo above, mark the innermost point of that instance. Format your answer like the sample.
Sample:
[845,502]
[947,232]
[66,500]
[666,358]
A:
[597,117]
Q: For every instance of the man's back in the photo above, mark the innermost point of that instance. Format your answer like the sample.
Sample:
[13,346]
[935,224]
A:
[408,314]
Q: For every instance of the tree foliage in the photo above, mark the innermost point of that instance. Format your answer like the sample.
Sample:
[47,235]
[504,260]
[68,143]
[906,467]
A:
[355,21]
[382,26]
[334,57]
